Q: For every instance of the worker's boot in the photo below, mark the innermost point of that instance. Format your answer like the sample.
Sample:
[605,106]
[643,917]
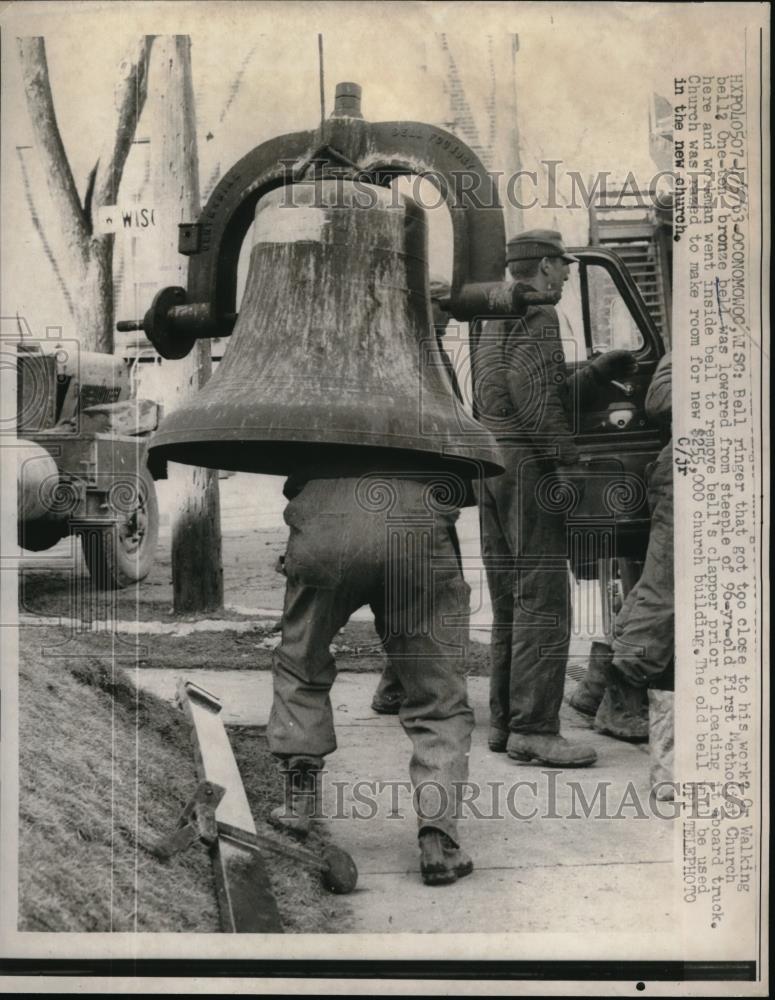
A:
[497,739]
[300,805]
[389,694]
[441,860]
[591,688]
[549,749]
[624,710]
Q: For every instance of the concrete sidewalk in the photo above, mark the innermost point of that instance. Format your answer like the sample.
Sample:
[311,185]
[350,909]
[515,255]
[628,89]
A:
[555,872]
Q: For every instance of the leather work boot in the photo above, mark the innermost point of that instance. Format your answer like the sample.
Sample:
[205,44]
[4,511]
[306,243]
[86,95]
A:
[546,748]
[591,688]
[497,740]
[389,695]
[388,705]
[300,806]
[441,862]
[624,710]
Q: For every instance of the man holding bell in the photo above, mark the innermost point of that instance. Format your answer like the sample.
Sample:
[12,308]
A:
[525,396]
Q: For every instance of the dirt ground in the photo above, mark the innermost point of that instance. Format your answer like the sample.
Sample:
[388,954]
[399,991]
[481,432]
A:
[51,582]
[104,771]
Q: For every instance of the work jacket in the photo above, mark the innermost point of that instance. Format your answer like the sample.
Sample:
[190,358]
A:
[659,398]
[523,391]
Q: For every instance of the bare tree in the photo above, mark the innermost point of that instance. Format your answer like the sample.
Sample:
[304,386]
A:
[84,257]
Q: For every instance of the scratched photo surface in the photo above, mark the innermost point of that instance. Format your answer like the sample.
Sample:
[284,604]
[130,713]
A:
[382,491]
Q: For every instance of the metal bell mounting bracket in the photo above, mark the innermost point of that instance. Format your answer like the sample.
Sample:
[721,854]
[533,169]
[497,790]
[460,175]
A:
[345,145]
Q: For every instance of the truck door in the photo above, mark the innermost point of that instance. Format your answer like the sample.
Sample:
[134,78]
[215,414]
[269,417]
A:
[602,310]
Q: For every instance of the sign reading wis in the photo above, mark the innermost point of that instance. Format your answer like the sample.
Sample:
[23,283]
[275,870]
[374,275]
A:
[133,218]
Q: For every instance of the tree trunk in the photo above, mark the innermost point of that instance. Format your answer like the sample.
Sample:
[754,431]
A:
[84,260]
[197,573]
[93,305]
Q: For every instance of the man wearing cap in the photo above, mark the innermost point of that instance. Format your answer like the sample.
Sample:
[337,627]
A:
[524,395]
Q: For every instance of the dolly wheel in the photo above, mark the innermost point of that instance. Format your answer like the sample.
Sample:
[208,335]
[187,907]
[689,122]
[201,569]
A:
[122,553]
[340,875]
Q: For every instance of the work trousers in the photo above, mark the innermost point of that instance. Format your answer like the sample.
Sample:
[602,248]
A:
[644,631]
[524,550]
[384,542]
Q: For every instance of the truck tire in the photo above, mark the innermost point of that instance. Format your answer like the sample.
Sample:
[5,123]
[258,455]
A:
[39,535]
[122,553]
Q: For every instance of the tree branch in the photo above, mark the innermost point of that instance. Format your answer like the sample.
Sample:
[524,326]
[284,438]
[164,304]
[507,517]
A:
[39,230]
[130,94]
[40,104]
[87,198]
[232,95]
[82,261]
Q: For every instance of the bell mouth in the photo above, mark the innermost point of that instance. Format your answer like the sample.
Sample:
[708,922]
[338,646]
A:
[323,460]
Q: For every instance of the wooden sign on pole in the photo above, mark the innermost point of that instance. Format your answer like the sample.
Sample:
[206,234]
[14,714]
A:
[197,571]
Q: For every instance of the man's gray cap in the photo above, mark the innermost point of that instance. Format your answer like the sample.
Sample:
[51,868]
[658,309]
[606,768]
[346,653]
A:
[535,244]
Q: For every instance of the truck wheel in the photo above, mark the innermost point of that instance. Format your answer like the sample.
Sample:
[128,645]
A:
[123,553]
[39,535]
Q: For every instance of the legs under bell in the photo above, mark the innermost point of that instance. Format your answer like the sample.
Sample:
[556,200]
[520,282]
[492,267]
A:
[422,614]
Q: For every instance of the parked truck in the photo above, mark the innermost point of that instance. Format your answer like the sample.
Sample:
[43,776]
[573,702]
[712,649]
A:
[82,460]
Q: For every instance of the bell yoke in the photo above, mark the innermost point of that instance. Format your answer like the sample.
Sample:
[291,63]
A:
[334,379]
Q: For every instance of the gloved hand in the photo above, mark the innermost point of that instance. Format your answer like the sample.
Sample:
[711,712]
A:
[530,297]
[614,365]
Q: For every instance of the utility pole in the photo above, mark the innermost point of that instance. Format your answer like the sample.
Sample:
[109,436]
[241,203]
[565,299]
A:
[197,570]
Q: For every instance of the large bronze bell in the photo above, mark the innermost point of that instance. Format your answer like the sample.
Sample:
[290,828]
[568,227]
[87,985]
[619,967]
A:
[333,363]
